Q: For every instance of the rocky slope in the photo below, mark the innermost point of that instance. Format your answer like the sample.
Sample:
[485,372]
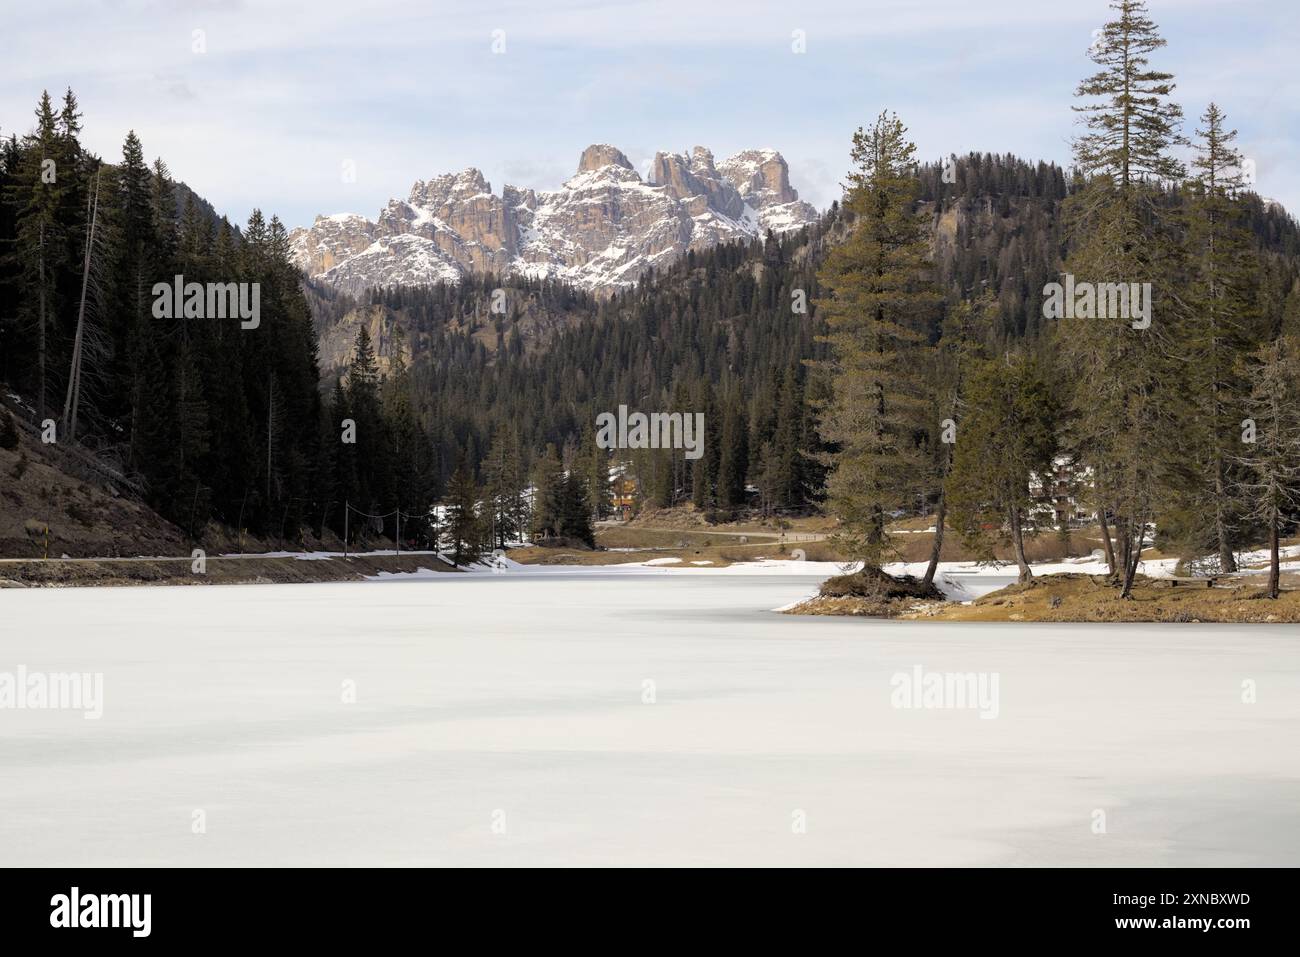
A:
[600,231]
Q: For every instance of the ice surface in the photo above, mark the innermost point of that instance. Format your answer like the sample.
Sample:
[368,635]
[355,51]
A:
[520,699]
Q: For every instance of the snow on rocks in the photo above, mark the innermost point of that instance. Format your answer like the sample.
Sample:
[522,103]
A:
[601,230]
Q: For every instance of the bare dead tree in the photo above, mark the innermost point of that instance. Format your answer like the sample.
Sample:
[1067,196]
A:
[72,401]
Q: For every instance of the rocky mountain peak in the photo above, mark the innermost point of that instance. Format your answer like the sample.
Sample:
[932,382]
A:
[601,155]
[440,190]
[760,175]
[601,230]
[686,178]
[702,161]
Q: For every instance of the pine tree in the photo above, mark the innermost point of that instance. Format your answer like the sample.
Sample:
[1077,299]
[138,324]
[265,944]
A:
[595,467]
[370,456]
[788,482]
[1121,237]
[1132,125]
[195,238]
[1220,308]
[1272,443]
[463,524]
[408,454]
[548,507]
[575,509]
[1006,442]
[959,350]
[162,200]
[39,248]
[877,315]
[733,458]
[340,455]
[1290,324]
[704,471]
[503,491]
[138,362]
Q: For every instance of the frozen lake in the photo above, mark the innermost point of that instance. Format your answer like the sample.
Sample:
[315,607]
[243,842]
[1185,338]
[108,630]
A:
[635,717]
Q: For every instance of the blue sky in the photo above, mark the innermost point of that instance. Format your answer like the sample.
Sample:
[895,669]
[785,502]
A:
[286,92]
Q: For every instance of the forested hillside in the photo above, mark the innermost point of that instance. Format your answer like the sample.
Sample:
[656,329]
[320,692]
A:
[209,419]
[722,332]
[717,333]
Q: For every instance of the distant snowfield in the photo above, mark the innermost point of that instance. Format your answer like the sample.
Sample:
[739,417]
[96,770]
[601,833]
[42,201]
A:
[631,716]
[959,581]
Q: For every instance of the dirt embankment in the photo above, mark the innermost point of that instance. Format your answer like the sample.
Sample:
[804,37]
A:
[47,509]
[67,518]
[233,570]
[54,505]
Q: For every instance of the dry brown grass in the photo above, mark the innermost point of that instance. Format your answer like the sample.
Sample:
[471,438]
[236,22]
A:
[689,517]
[650,538]
[563,556]
[1085,598]
[1088,598]
[718,552]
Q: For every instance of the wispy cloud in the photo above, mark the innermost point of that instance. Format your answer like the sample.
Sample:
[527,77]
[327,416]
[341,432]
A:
[283,93]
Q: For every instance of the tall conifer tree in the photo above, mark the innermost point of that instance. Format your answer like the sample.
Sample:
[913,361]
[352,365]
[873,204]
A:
[878,314]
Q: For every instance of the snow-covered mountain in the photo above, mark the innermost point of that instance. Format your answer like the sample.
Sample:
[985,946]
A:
[601,230]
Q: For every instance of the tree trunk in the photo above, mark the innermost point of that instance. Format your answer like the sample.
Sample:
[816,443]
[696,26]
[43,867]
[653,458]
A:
[1227,561]
[1018,541]
[1132,557]
[73,398]
[40,340]
[1274,565]
[1130,569]
[939,516]
[877,537]
[1106,542]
